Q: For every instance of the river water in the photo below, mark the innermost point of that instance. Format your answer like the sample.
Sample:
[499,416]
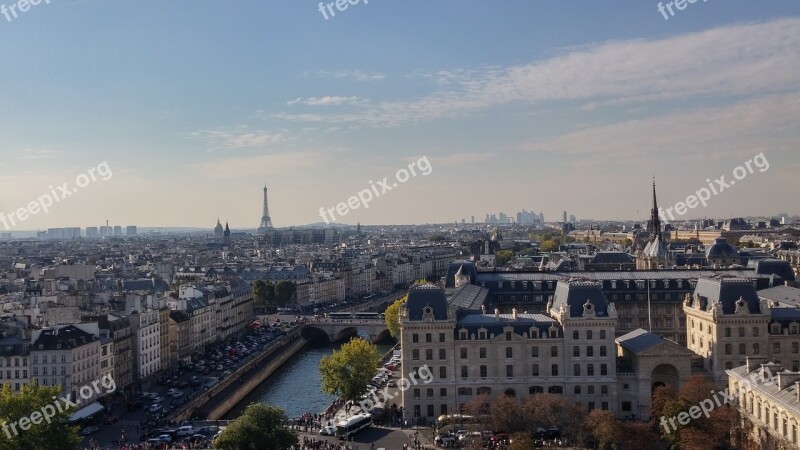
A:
[296,386]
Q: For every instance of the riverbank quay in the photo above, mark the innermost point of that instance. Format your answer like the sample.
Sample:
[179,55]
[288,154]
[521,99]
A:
[216,398]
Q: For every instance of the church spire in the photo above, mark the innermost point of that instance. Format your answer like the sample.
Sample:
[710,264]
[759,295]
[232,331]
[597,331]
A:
[655,221]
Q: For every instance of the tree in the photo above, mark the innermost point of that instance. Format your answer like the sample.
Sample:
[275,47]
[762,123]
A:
[507,415]
[638,435]
[547,410]
[713,432]
[627,243]
[260,427]
[347,372]
[263,294]
[521,441]
[30,404]
[284,292]
[502,257]
[605,428]
[549,245]
[392,316]
[661,396]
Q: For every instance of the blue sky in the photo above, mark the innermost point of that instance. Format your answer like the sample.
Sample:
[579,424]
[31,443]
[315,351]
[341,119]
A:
[517,104]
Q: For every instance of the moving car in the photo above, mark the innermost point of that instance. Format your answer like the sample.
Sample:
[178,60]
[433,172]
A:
[329,430]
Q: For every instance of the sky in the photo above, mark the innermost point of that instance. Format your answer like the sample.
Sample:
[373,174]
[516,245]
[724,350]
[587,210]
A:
[183,110]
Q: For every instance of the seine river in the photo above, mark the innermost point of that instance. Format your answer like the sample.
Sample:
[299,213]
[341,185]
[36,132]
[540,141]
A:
[295,387]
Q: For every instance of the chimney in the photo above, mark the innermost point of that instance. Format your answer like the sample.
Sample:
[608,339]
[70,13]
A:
[514,313]
[497,313]
[786,378]
[751,363]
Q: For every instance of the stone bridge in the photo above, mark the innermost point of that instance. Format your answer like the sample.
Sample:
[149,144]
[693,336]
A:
[338,329]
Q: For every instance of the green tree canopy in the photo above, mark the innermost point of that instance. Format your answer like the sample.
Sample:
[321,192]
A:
[30,404]
[392,316]
[284,292]
[260,427]
[347,372]
[502,257]
[549,245]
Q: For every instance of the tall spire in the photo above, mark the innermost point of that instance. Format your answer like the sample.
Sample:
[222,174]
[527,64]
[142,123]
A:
[266,221]
[654,227]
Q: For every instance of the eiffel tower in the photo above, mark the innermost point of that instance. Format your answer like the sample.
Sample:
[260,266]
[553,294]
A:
[266,222]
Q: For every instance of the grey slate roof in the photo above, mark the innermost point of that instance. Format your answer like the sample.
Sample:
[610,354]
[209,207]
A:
[726,291]
[576,293]
[784,294]
[426,295]
[68,337]
[639,340]
[496,324]
[469,296]
[611,258]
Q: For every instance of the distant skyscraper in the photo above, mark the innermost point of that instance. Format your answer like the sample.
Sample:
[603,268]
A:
[131,231]
[266,221]
[571,218]
[117,230]
[564,217]
[473,219]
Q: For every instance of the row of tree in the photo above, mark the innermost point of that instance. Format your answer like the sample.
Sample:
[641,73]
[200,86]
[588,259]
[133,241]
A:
[722,429]
[524,420]
[267,295]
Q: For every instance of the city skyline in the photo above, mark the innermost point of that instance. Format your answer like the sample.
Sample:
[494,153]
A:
[509,108]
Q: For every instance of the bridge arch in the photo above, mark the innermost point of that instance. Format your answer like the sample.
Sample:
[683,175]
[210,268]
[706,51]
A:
[339,330]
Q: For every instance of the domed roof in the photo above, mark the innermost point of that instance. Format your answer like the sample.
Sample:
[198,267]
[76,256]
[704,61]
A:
[721,248]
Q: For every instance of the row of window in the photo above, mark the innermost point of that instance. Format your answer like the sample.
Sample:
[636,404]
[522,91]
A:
[16,374]
[7,362]
[615,284]
[776,348]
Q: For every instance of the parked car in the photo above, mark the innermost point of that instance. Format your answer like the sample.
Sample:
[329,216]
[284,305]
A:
[90,430]
[155,407]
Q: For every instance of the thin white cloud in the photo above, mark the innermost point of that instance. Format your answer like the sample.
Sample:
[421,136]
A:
[713,63]
[457,159]
[327,101]
[37,154]
[354,74]
[690,137]
[270,164]
[238,139]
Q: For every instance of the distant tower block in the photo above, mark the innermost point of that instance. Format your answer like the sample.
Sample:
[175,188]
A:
[266,221]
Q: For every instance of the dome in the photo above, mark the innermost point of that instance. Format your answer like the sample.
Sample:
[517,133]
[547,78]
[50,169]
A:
[721,248]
